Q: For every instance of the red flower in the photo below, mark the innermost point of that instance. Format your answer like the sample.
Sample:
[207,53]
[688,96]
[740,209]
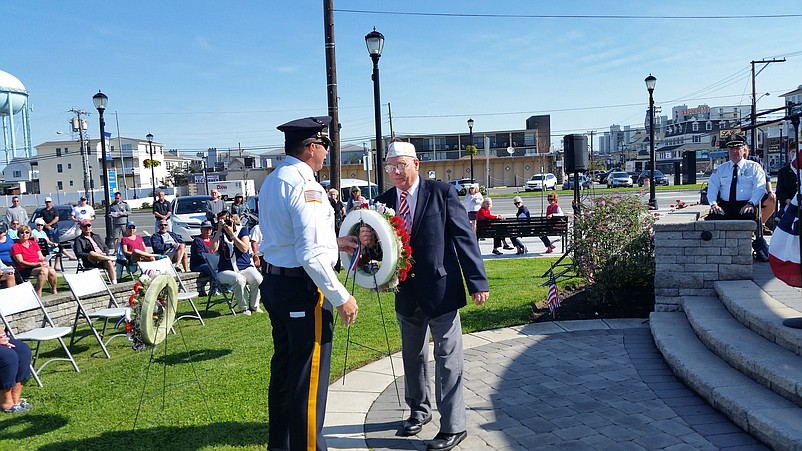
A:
[402,233]
[136,286]
[132,299]
[128,328]
[407,250]
[402,277]
[396,222]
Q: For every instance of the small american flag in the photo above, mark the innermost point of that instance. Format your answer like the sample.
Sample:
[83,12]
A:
[355,260]
[552,299]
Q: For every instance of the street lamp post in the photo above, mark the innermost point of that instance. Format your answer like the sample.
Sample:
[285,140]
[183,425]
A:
[149,137]
[375,43]
[100,101]
[472,148]
[650,82]
[205,174]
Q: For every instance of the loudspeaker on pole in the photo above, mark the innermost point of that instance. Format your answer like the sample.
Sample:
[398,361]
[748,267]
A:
[576,153]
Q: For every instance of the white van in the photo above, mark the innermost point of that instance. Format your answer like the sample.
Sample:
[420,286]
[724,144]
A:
[345,188]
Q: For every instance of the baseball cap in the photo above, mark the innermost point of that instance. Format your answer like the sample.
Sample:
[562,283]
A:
[48,199]
[206,224]
[85,222]
[83,198]
[130,225]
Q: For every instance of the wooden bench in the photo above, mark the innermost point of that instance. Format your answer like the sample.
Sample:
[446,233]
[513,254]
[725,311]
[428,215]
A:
[535,226]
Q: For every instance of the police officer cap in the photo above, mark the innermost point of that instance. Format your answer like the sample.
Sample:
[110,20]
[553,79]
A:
[300,130]
[735,140]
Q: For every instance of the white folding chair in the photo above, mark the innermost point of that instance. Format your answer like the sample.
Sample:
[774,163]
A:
[165,266]
[23,298]
[85,284]
[213,260]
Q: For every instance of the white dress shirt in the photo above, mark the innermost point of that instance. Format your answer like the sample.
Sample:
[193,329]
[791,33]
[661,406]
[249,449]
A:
[297,224]
[751,184]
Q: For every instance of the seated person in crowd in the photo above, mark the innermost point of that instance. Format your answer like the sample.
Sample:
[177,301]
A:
[15,370]
[170,244]
[40,234]
[736,186]
[92,251]
[133,246]
[200,246]
[551,211]
[7,275]
[522,213]
[6,244]
[30,262]
[13,228]
[483,214]
[232,243]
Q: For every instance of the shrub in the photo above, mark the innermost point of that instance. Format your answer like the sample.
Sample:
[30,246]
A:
[613,246]
[145,206]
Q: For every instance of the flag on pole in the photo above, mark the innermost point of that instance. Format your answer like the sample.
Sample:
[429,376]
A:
[552,299]
[784,249]
[107,138]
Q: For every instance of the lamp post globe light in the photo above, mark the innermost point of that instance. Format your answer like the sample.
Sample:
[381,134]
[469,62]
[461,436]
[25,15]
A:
[100,101]
[651,80]
[472,149]
[149,137]
[375,42]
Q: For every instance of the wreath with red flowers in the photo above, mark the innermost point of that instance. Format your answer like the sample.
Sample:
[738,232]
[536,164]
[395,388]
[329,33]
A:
[142,331]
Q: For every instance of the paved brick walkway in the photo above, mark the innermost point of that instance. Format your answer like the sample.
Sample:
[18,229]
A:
[587,389]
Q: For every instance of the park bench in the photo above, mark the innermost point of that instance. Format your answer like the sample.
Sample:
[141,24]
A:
[523,227]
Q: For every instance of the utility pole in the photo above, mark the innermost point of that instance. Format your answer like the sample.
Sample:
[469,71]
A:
[392,134]
[331,88]
[765,63]
[590,157]
[79,125]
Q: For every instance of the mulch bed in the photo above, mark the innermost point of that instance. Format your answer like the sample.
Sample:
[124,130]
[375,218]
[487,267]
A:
[577,304]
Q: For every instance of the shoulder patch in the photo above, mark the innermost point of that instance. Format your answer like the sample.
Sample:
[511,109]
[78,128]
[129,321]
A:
[313,196]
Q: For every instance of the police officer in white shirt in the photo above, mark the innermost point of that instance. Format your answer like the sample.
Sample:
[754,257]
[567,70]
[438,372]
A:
[736,186]
[300,286]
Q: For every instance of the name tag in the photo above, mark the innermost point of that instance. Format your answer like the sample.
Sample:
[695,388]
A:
[297,314]
[313,196]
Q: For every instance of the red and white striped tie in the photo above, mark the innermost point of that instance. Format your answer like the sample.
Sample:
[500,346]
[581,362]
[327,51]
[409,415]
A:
[403,211]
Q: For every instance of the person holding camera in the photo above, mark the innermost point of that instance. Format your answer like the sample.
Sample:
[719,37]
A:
[232,243]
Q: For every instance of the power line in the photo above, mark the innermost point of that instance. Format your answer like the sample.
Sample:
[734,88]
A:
[568,16]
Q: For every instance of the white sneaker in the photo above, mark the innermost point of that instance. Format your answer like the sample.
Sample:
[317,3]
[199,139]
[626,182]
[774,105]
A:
[257,310]
[246,312]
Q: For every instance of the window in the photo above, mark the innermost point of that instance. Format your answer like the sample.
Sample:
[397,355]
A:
[58,151]
[59,168]
[708,125]
[696,126]
[697,138]
[17,174]
[71,182]
[69,165]
[60,185]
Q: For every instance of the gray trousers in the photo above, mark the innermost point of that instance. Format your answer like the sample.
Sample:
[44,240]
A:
[446,332]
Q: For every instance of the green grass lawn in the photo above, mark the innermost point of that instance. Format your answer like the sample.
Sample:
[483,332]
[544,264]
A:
[206,387]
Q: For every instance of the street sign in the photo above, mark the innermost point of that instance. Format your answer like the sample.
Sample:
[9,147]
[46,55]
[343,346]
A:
[112,178]
[432,174]
[510,150]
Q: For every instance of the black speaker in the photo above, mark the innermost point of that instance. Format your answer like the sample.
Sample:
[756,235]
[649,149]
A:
[576,154]
[689,166]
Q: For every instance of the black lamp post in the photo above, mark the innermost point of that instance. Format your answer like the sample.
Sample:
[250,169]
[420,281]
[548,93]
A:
[472,148]
[650,82]
[375,43]
[149,137]
[100,101]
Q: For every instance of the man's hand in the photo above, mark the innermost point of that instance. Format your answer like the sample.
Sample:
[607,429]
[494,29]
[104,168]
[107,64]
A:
[348,244]
[716,210]
[480,297]
[747,209]
[367,236]
[348,312]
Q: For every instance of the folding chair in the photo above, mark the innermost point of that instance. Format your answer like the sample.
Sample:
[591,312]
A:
[165,266]
[124,265]
[87,283]
[22,298]
[51,253]
[213,260]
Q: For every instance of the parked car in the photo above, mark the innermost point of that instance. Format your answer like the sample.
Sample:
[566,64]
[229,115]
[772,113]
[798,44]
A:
[188,213]
[603,176]
[540,182]
[584,182]
[633,175]
[618,178]
[595,175]
[67,229]
[462,185]
[659,177]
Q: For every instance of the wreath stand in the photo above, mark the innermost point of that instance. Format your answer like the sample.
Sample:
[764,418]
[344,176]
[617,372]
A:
[156,331]
[352,222]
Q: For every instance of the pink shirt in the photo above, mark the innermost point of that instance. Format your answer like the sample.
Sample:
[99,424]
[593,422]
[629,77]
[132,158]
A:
[133,243]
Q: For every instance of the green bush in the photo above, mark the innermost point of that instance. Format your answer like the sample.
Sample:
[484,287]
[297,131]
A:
[145,206]
[614,248]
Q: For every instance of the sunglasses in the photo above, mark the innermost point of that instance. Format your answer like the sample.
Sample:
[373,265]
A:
[40,225]
[162,225]
[321,143]
[86,226]
[25,233]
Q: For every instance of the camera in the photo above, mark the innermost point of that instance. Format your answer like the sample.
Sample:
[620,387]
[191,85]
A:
[228,222]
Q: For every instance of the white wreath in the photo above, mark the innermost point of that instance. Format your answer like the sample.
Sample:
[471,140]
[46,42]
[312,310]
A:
[386,239]
[153,334]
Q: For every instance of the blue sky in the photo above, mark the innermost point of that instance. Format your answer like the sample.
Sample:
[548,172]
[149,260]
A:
[217,74]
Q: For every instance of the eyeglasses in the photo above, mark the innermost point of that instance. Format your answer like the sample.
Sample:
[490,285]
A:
[40,225]
[25,233]
[86,226]
[15,223]
[518,203]
[321,143]
[162,225]
[398,168]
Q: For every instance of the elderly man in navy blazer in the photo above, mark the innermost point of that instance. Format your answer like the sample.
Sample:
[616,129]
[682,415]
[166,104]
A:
[444,250]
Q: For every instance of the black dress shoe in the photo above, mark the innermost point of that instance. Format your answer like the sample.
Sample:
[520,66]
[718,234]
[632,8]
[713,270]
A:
[444,442]
[412,426]
[508,247]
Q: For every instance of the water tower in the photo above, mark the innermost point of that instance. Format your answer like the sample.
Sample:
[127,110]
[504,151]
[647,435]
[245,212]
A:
[14,116]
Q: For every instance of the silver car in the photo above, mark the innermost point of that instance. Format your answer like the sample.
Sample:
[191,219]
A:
[618,179]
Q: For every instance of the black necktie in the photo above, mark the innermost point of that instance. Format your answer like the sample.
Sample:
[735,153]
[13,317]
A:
[734,183]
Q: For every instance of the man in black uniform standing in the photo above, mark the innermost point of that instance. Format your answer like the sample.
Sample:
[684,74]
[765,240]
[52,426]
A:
[300,286]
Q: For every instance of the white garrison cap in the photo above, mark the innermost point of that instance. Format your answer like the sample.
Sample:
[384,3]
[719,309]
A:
[401,149]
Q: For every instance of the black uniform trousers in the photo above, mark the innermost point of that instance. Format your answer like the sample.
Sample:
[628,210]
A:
[732,210]
[300,367]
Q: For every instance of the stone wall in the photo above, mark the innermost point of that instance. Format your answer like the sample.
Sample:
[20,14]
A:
[691,254]
[62,307]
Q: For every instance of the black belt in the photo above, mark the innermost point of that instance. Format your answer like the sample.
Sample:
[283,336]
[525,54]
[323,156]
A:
[285,272]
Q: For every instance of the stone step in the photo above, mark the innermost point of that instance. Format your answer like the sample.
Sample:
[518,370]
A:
[755,309]
[766,415]
[761,360]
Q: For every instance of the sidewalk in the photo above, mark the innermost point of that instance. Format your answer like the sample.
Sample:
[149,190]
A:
[563,385]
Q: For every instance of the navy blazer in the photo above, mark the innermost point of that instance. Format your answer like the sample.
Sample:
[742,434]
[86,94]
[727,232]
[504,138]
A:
[444,248]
